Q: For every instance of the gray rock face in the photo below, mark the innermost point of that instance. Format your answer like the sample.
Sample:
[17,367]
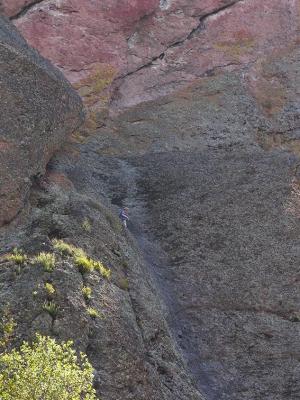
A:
[210,176]
[38,110]
[209,288]
[129,344]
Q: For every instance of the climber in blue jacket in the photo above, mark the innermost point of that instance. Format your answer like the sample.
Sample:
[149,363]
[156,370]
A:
[124,216]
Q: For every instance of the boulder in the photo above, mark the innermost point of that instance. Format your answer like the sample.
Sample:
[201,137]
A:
[38,110]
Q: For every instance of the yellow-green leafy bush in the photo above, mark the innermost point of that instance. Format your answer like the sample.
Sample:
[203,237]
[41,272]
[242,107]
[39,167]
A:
[45,370]
[7,328]
[47,260]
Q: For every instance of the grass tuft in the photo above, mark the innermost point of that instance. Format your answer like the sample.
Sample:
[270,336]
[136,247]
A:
[18,257]
[93,313]
[105,272]
[51,308]
[49,288]
[47,260]
[84,263]
[86,225]
[87,292]
[63,247]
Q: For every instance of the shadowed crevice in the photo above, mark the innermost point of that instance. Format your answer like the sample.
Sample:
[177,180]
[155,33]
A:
[25,9]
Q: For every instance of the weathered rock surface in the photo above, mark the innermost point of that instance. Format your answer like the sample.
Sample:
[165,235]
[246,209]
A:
[152,47]
[210,175]
[206,154]
[38,110]
[16,7]
[129,345]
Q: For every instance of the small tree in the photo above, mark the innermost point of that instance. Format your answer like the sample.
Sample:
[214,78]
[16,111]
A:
[45,370]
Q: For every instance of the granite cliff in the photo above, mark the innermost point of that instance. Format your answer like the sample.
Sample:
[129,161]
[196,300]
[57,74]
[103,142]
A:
[192,122]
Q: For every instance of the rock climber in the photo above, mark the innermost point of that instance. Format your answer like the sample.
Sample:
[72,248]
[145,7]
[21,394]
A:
[124,216]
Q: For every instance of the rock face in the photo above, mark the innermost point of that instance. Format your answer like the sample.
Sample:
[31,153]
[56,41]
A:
[200,138]
[14,8]
[210,176]
[152,47]
[129,344]
[38,110]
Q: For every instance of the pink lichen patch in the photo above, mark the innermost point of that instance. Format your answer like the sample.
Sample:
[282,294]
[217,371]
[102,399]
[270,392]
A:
[128,12]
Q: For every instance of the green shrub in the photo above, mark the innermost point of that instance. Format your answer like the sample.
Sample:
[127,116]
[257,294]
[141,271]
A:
[46,370]
[105,272]
[49,289]
[93,313]
[47,260]
[87,292]
[18,257]
[51,308]
[63,247]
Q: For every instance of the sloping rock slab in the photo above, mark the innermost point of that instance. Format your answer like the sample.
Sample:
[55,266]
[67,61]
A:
[38,109]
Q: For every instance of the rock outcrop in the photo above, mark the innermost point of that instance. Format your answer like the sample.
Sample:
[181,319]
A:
[150,48]
[38,110]
[210,176]
[15,8]
[198,104]
[129,344]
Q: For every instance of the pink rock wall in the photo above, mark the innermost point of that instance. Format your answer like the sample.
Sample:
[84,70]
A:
[13,8]
[154,47]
